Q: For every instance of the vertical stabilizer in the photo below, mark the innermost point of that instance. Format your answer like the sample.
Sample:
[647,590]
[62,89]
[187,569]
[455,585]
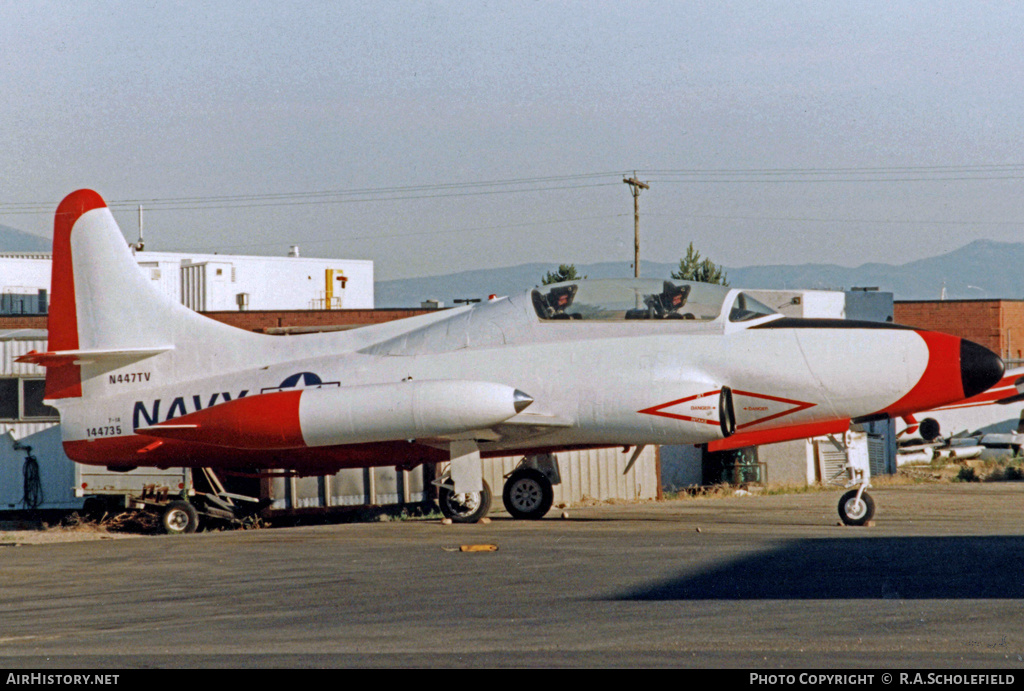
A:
[64,380]
[105,315]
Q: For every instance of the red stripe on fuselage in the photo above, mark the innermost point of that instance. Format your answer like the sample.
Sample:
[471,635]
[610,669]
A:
[941,381]
[773,436]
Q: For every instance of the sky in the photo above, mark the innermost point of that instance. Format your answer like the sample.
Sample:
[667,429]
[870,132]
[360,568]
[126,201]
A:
[435,137]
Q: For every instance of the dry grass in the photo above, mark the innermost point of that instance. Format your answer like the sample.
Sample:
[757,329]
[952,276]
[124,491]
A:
[999,470]
[1004,469]
[75,528]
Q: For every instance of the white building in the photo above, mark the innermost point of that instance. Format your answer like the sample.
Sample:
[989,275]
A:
[204,282]
[212,282]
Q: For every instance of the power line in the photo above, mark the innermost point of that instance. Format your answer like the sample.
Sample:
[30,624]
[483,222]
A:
[841,170]
[256,203]
[358,195]
[545,183]
[378,236]
[798,219]
[842,175]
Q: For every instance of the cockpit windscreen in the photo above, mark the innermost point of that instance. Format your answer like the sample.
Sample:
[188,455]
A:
[638,298]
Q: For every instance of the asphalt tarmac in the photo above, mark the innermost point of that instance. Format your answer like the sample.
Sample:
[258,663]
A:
[760,582]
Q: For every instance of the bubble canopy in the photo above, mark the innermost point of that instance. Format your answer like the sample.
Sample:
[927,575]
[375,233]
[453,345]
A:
[623,299]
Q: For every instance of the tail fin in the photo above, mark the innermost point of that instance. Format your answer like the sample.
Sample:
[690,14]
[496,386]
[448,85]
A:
[105,315]
[63,377]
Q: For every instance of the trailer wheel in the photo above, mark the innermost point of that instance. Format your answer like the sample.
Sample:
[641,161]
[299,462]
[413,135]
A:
[180,517]
[465,507]
[528,494]
[94,509]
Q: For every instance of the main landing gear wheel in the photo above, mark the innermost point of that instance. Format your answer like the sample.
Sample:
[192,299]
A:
[179,517]
[464,507]
[854,511]
[528,494]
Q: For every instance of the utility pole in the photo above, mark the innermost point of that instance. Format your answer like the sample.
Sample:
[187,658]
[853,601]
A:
[635,186]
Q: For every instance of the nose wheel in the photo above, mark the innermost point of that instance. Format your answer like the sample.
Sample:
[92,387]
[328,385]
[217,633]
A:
[856,507]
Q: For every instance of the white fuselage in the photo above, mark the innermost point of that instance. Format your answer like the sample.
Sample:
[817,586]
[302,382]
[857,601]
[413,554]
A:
[141,380]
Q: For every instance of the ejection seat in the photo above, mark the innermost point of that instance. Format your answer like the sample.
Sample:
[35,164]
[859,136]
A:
[554,304]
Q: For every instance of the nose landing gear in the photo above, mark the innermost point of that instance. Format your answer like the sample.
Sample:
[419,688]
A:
[856,507]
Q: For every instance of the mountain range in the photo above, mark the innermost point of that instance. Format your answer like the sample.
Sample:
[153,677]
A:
[14,240]
[983,269]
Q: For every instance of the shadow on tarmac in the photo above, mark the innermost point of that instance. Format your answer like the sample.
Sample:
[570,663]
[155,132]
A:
[908,568]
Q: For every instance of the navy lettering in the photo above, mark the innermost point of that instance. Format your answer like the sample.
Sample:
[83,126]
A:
[177,408]
[140,410]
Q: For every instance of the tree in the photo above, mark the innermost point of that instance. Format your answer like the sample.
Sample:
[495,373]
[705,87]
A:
[693,268]
[566,272]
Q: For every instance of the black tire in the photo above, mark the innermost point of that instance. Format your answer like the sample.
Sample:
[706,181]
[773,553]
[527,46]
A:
[929,429]
[179,517]
[853,512]
[94,509]
[528,494]
[468,507]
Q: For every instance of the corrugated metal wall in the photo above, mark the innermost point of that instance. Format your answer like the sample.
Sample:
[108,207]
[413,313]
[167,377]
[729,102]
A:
[14,343]
[18,342]
[586,475]
[354,487]
[595,474]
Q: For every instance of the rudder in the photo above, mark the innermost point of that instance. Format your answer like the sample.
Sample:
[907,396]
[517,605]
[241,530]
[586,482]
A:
[64,380]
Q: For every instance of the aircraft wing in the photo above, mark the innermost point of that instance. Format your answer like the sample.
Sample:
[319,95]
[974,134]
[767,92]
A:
[515,430]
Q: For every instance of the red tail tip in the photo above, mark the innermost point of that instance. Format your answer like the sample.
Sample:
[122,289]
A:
[77,203]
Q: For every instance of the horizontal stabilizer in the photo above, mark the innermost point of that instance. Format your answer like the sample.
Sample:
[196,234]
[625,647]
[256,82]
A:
[56,358]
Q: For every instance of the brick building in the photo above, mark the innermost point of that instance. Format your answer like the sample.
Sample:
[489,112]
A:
[996,324]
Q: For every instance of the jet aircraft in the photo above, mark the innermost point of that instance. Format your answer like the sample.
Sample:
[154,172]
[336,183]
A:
[141,380]
[989,424]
